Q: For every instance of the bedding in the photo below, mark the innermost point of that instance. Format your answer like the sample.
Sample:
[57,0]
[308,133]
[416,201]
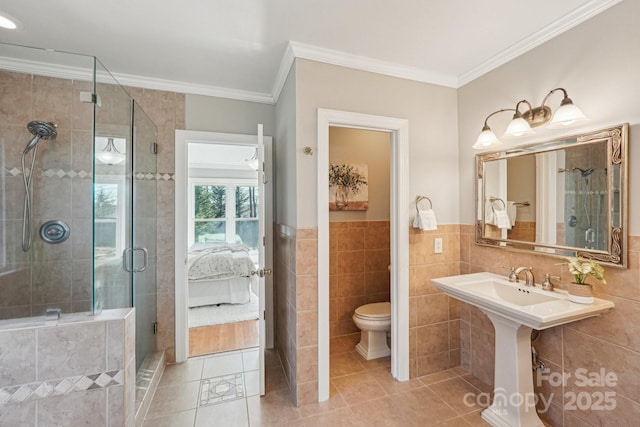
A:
[219,274]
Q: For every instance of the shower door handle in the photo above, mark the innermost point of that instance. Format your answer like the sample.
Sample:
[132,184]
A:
[127,255]
[145,258]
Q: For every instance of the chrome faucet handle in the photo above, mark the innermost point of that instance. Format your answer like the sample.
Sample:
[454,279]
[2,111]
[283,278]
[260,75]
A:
[513,277]
[547,285]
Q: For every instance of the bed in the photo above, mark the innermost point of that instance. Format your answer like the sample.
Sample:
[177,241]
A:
[219,274]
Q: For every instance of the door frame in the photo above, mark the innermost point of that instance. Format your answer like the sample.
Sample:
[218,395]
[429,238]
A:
[400,213]
[182,139]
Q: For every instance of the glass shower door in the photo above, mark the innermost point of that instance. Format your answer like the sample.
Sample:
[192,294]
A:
[112,195]
[144,251]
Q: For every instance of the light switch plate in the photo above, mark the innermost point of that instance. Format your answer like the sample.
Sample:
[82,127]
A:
[437,245]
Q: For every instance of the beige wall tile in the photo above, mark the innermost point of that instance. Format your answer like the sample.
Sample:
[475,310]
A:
[351,262]
[432,339]
[432,309]
[432,363]
[359,273]
[593,354]
[377,282]
[548,344]
[307,364]
[351,284]
[306,256]
[306,233]
[618,326]
[307,393]
[351,239]
[307,292]
[17,357]
[307,328]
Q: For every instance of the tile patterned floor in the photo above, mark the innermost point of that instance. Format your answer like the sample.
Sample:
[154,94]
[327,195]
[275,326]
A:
[222,390]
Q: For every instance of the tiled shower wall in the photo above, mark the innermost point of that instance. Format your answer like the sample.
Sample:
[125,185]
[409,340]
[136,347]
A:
[610,342]
[358,270]
[48,275]
[81,372]
[296,305]
[585,197]
[61,274]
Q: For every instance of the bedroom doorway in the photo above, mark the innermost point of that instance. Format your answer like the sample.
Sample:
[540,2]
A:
[223,206]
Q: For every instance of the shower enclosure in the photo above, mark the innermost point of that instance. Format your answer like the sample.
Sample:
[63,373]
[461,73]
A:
[77,191]
[586,188]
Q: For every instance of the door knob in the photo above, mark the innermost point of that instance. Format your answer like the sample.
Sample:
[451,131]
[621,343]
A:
[262,272]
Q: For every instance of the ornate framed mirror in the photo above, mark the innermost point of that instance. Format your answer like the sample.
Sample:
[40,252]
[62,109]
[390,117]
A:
[564,197]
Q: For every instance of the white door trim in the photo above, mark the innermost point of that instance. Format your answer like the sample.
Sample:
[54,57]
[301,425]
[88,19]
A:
[400,203]
[182,138]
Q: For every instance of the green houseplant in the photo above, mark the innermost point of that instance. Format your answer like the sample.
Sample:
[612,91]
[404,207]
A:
[580,291]
[345,178]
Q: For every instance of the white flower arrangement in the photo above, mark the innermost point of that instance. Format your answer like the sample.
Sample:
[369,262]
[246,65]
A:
[583,269]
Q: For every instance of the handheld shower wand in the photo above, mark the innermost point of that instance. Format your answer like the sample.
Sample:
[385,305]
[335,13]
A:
[39,130]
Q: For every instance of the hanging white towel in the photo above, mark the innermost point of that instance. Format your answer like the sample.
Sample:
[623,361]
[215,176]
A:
[512,211]
[490,218]
[502,219]
[425,220]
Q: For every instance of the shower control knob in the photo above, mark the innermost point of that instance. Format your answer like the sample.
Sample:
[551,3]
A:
[54,231]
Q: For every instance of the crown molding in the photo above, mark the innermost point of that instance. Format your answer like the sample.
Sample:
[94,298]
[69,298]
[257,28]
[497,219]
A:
[568,21]
[363,63]
[86,74]
[288,58]
[193,88]
[48,70]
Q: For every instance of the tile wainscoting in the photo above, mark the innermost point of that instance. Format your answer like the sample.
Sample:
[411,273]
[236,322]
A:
[79,370]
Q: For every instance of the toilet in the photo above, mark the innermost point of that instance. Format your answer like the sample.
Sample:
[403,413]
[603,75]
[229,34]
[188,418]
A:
[374,322]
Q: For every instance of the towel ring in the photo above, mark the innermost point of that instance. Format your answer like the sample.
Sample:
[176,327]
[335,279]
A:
[492,200]
[421,198]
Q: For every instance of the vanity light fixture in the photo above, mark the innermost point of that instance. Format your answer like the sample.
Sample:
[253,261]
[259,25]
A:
[110,154]
[253,162]
[565,116]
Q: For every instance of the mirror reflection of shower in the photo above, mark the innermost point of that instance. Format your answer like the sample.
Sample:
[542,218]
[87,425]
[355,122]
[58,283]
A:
[40,131]
[588,216]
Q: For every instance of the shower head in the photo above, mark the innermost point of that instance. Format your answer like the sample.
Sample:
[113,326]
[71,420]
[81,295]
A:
[584,172]
[41,130]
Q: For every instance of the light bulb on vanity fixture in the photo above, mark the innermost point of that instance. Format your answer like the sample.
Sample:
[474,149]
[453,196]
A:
[566,115]
[110,154]
[519,126]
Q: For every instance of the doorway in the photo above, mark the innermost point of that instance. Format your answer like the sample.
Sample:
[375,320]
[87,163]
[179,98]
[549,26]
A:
[223,202]
[359,237]
[399,237]
[222,241]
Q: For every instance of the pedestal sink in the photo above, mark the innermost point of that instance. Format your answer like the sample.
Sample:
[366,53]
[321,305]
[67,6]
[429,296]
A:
[514,310]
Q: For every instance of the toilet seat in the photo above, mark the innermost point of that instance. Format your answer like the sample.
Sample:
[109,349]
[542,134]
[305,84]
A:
[374,311]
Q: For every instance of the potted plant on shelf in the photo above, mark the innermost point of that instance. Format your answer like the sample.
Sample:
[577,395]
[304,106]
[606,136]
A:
[346,178]
[580,291]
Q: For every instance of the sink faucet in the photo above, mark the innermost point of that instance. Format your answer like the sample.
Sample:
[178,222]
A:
[528,273]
